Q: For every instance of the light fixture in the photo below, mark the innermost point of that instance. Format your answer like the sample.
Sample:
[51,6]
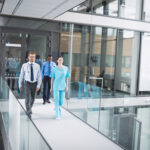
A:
[12,45]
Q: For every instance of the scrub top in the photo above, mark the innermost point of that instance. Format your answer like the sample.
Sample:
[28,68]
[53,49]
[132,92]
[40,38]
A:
[59,77]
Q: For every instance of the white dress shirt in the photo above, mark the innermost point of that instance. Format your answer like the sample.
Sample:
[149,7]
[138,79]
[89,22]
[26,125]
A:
[25,74]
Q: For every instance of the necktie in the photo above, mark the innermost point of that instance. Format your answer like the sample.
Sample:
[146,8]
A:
[32,74]
[49,68]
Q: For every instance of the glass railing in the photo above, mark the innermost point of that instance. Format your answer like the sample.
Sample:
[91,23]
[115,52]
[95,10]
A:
[21,132]
[85,101]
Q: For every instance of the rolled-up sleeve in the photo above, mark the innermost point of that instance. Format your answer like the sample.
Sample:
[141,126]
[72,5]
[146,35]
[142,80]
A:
[21,77]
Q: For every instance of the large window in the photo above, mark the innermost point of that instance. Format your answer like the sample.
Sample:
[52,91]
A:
[144,63]
[100,52]
[126,42]
[109,8]
[130,9]
[146,11]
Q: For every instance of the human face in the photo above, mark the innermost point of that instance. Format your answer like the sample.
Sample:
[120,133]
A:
[49,59]
[60,61]
[31,58]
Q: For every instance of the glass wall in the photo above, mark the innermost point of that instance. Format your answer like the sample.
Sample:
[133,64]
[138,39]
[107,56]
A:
[144,80]
[37,43]
[100,52]
[110,58]
[117,8]
[126,41]
[13,46]
[130,9]
[146,10]
[109,8]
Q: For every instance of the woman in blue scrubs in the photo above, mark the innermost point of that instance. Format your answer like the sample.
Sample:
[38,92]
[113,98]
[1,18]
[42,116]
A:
[59,84]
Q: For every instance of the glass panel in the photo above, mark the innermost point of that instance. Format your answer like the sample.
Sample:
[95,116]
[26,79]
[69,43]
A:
[137,136]
[20,130]
[130,9]
[37,43]
[108,7]
[118,124]
[85,7]
[144,78]
[13,47]
[110,41]
[126,40]
[75,44]
[143,113]
[146,11]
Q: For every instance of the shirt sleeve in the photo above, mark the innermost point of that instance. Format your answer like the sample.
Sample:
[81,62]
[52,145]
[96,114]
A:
[42,71]
[52,75]
[21,77]
[38,78]
[67,74]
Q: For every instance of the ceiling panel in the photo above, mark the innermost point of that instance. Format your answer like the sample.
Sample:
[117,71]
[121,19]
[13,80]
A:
[36,8]
[9,6]
[48,9]
[63,8]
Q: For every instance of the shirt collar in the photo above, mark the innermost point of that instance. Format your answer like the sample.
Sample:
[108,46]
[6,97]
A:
[31,63]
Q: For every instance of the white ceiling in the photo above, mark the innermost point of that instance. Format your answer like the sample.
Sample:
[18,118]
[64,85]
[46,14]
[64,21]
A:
[47,9]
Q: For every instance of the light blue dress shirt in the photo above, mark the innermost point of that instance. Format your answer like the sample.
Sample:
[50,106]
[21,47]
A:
[25,74]
[59,77]
[46,68]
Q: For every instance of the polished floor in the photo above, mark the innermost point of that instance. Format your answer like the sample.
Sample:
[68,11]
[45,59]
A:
[68,133]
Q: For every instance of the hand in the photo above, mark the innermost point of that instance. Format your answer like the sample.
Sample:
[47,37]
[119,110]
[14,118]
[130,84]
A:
[66,89]
[51,90]
[37,89]
[20,88]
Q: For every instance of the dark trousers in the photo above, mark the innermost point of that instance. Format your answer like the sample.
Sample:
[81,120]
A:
[46,88]
[30,90]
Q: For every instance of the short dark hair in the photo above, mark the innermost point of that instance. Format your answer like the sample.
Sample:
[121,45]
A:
[49,55]
[32,53]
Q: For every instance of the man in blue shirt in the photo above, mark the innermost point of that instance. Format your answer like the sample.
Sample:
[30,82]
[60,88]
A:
[30,74]
[46,70]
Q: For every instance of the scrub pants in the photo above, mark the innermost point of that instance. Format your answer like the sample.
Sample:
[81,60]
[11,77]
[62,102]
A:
[58,99]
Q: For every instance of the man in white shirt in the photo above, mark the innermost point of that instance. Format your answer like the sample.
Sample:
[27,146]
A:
[31,75]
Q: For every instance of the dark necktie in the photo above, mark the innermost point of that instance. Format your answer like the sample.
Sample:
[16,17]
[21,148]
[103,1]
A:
[32,74]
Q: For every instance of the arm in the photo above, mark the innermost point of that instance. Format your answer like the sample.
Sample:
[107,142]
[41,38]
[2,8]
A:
[42,71]
[21,77]
[39,79]
[67,85]
[51,85]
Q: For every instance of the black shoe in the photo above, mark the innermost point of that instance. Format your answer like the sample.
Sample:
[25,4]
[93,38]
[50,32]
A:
[48,101]
[44,102]
[29,115]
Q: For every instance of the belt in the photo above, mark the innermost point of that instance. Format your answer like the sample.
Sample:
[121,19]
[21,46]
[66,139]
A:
[31,82]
